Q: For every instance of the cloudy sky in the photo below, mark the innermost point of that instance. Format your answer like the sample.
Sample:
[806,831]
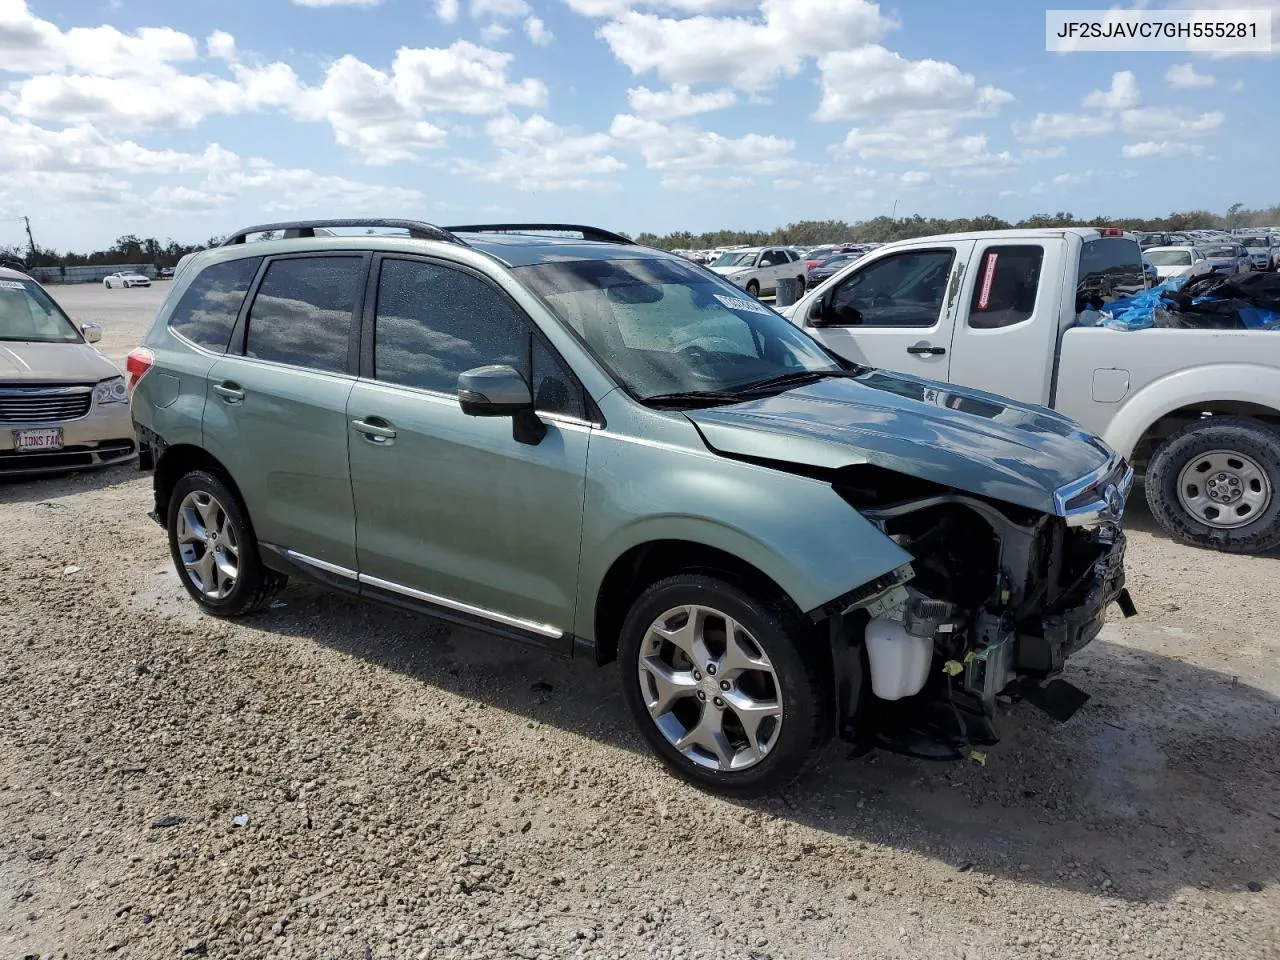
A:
[187,120]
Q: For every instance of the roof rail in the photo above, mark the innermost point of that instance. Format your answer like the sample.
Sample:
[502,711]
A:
[594,234]
[307,228]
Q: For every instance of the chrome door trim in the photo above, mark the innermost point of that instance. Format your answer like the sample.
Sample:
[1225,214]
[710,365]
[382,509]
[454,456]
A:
[542,629]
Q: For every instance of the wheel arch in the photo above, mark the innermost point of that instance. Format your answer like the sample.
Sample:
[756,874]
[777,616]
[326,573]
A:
[179,460]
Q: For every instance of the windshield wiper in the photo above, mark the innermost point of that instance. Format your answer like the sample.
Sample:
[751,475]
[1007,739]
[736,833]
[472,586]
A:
[692,398]
[785,381]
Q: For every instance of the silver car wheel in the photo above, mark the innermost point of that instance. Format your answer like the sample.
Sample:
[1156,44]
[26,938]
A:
[710,688]
[208,545]
[1224,489]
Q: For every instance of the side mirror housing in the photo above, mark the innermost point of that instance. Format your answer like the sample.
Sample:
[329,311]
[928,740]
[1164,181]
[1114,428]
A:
[92,332]
[498,390]
[817,314]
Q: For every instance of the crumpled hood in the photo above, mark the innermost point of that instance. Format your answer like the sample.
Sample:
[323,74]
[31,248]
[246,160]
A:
[24,361]
[961,438]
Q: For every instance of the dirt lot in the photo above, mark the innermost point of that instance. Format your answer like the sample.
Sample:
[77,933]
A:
[417,791]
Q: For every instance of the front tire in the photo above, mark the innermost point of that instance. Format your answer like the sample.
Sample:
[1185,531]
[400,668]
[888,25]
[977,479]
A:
[1216,483]
[107,284]
[753,288]
[214,549]
[727,689]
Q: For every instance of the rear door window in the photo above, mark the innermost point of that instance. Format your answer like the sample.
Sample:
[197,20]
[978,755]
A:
[303,312]
[1110,268]
[1005,290]
[207,312]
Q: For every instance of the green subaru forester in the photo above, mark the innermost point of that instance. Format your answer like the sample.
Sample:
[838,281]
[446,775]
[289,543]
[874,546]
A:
[555,434]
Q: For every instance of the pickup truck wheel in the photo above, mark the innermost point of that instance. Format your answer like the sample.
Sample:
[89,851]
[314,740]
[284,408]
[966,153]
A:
[753,288]
[214,549]
[1214,484]
[726,688]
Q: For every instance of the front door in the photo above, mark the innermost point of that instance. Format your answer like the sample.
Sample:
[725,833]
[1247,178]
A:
[897,311]
[452,509]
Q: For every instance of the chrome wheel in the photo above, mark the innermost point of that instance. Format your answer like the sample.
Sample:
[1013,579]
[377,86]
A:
[208,545]
[1224,489]
[710,689]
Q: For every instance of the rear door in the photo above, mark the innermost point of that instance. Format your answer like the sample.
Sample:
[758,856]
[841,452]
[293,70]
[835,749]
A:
[897,311]
[276,413]
[1007,326]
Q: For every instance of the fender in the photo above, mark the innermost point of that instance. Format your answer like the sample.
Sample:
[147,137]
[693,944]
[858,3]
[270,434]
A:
[1239,382]
[794,529]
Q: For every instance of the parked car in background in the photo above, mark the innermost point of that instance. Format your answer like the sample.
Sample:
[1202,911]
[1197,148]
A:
[1196,411]
[63,405]
[1263,250]
[1150,272]
[1172,262]
[165,273]
[826,268]
[126,279]
[1227,259]
[757,270]
[1153,240]
[10,262]
[615,454]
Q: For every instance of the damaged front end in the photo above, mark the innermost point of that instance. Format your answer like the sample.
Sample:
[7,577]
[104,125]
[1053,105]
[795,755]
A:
[996,599]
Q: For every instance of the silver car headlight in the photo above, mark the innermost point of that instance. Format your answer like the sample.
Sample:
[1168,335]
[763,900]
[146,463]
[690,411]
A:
[111,391]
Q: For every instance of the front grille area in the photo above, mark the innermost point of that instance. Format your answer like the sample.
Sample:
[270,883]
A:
[44,404]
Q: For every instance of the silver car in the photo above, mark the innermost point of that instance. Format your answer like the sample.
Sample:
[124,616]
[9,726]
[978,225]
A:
[63,405]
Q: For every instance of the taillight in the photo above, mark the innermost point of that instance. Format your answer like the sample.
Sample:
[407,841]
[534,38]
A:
[136,366]
[1111,232]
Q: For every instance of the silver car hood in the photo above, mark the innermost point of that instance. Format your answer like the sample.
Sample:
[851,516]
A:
[25,361]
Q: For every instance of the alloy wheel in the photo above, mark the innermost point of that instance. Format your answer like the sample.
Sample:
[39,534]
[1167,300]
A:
[710,689]
[208,545]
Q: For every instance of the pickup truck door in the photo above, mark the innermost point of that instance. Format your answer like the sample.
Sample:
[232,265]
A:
[896,311]
[1006,325]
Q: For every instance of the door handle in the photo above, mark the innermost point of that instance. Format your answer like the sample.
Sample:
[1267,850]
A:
[926,349]
[228,391]
[374,432]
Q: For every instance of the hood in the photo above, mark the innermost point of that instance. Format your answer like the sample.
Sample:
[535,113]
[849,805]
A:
[1172,270]
[725,271]
[965,439]
[24,361]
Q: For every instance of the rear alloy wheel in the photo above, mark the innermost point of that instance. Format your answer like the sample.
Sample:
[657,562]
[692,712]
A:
[753,288]
[725,688]
[1214,484]
[214,549]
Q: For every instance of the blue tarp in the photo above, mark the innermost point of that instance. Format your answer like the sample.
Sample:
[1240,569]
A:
[1139,311]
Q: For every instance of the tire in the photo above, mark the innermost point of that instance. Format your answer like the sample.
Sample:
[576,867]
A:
[800,287]
[1222,447]
[107,284]
[254,584]
[789,742]
[753,288]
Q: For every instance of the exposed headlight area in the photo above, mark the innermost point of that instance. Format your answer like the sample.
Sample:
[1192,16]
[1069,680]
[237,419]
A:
[111,391]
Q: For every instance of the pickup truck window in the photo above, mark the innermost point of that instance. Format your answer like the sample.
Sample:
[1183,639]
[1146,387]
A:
[1005,290]
[1110,267]
[902,290]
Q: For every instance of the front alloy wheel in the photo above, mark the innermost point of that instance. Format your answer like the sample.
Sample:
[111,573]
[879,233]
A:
[208,545]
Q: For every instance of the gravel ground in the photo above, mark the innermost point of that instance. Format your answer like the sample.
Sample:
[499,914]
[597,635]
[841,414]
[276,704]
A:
[413,790]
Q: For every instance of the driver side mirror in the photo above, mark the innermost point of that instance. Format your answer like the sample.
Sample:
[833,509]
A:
[817,315]
[498,390]
[92,332]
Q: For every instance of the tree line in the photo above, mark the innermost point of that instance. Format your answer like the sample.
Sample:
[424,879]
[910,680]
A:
[137,250]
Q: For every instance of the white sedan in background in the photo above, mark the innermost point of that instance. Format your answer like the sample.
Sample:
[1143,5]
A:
[1178,261]
[126,279]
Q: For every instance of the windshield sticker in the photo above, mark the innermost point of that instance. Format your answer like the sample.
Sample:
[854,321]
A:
[738,303]
[12,285]
[988,275]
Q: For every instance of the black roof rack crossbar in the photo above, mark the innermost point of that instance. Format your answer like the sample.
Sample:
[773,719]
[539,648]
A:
[594,234]
[307,228]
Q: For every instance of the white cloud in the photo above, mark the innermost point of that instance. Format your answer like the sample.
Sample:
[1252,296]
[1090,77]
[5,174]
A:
[1073,179]
[537,31]
[447,10]
[1162,148]
[1122,95]
[221,45]
[1166,122]
[872,80]
[750,54]
[613,8]
[678,101]
[938,145]
[1183,76]
[499,9]
[701,183]
[536,154]
[336,3]
[493,32]
[1063,126]
[1238,87]
[686,148]
[915,178]
[1048,153]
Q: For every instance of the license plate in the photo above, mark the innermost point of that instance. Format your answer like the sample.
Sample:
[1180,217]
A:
[49,438]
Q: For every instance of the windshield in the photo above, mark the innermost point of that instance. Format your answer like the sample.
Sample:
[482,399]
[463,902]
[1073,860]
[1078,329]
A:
[839,258]
[1220,252]
[664,327]
[1253,241]
[1169,258]
[28,313]
[735,258]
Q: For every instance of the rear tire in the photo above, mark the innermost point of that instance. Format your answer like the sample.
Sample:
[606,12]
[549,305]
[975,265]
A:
[1206,480]
[753,288]
[751,718]
[800,287]
[214,549]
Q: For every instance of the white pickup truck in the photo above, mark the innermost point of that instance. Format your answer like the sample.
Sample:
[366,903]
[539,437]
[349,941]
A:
[1196,412]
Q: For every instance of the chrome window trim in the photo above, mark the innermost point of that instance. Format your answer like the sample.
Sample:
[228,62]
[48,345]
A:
[451,400]
[324,565]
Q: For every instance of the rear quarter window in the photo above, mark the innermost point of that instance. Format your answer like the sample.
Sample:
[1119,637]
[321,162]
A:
[1110,268]
[1005,291]
[207,312]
